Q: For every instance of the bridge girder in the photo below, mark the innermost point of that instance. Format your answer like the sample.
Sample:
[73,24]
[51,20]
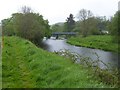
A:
[64,33]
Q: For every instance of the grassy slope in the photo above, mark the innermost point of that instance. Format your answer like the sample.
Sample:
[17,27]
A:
[0,62]
[26,66]
[103,42]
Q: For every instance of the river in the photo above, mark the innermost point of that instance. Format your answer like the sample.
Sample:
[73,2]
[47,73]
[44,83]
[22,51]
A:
[106,56]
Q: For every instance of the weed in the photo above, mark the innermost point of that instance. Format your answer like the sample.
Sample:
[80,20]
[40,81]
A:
[107,75]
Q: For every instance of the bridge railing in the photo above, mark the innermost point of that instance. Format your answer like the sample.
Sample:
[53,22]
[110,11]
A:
[64,33]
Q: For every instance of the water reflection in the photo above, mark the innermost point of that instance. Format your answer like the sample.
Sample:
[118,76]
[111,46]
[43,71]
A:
[105,56]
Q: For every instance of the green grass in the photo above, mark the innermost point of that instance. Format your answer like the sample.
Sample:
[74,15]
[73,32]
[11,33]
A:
[26,66]
[103,42]
[0,63]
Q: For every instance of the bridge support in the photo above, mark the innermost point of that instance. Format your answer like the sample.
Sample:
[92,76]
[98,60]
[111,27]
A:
[57,36]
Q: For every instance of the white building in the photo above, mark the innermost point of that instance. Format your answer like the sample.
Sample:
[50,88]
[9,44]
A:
[105,32]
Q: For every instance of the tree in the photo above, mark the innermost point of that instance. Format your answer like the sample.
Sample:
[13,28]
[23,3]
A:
[0,30]
[83,17]
[70,23]
[114,26]
[26,9]
[58,27]
[92,26]
[27,25]
[7,27]
[98,25]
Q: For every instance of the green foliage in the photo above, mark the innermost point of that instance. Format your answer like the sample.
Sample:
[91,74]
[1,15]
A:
[89,24]
[107,75]
[58,27]
[70,23]
[0,30]
[28,25]
[114,27]
[26,66]
[98,25]
[83,17]
[67,26]
[7,27]
[97,41]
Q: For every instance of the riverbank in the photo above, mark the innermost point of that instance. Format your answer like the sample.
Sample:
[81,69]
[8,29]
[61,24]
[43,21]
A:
[26,66]
[103,42]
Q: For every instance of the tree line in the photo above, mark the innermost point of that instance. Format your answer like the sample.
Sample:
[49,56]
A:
[88,24]
[32,26]
[27,24]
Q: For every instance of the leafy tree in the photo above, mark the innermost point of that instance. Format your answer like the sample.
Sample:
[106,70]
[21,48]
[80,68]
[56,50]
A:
[102,23]
[89,24]
[70,23]
[93,26]
[114,27]
[55,28]
[7,27]
[58,27]
[0,30]
[28,25]
[99,25]
[84,16]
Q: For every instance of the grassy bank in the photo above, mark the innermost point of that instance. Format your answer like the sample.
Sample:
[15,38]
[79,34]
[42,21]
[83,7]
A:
[103,42]
[0,62]
[26,66]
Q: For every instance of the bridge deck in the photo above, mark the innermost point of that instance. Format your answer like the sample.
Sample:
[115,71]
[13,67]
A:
[64,33]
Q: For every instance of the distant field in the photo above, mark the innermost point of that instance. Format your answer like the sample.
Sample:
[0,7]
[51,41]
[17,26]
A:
[103,42]
[26,66]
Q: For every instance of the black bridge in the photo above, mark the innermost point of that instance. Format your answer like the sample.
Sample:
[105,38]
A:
[56,34]
[64,33]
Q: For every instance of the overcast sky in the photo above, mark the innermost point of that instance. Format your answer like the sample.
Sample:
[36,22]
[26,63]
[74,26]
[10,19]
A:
[58,10]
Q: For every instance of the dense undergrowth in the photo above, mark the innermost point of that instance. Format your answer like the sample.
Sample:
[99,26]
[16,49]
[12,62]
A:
[108,75]
[26,66]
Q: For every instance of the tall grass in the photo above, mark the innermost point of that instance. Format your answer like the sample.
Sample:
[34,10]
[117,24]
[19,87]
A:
[107,75]
[26,66]
[103,42]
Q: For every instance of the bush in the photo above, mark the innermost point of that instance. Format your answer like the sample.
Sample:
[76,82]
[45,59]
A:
[27,25]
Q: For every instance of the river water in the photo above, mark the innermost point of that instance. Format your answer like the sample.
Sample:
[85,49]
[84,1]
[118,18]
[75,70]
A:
[105,56]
